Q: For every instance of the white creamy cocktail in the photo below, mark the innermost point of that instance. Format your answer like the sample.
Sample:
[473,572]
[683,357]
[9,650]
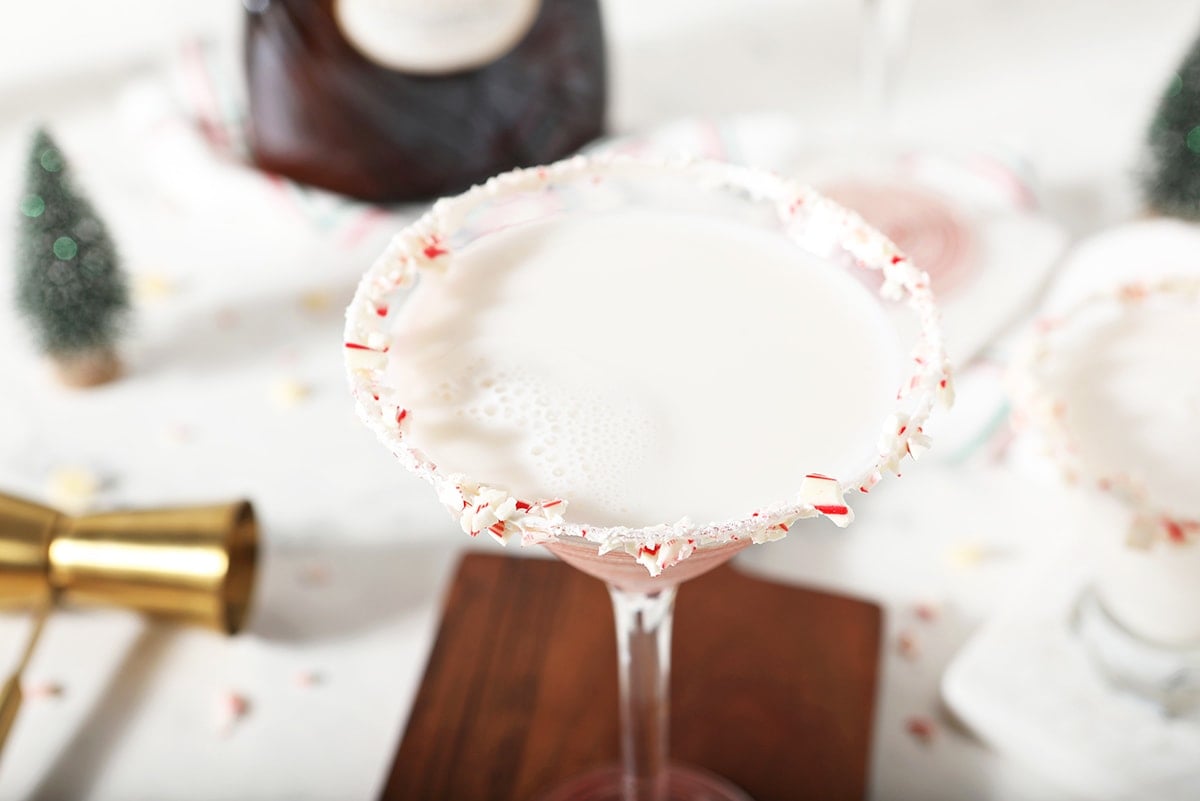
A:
[1115,386]
[645,367]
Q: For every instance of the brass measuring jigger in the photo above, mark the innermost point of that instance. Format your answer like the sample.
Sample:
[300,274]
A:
[193,565]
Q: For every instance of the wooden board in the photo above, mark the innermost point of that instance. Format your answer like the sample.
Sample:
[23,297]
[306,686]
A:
[773,686]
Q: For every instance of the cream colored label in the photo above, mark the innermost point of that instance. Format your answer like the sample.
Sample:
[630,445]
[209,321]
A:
[434,36]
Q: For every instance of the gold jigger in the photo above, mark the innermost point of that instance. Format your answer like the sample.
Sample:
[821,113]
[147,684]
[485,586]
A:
[193,565]
[25,532]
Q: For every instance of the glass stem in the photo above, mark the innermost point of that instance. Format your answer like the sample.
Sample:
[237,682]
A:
[884,40]
[644,667]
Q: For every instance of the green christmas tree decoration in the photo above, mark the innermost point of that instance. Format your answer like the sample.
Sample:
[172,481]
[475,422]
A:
[69,283]
[1171,180]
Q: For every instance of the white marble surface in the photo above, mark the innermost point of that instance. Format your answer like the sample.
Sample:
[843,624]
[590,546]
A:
[1069,84]
[1028,679]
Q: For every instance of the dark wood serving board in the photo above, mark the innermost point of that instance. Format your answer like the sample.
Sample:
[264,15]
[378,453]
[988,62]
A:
[772,686]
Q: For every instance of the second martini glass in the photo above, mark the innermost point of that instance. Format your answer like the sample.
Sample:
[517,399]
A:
[575,355]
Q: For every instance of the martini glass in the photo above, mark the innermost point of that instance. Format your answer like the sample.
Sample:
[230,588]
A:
[1107,385]
[885,28]
[914,190]
[643,562]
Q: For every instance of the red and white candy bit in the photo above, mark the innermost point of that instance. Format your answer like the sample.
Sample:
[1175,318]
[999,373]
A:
[777,531]
[825,495]
[396,271]
[1147,530]
[231,708]
[41,689]
[397,419]
[499,532]
[1180,532]
[434,249]
[918,443]
[488,507]
[658,556]
[501,515]
[647,556]
[1044,325]
[900,438]
[314,575]
[1133,293]
[921,728]
[362,356]
[307,679]
[908,646]
[868,483]
[926,612]
[945,390]
[226,319]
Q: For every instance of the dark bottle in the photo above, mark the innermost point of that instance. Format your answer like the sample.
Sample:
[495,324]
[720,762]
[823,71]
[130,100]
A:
[362,97]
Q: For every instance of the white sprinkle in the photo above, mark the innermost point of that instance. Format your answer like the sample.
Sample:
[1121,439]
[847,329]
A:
[73,489]
[152,287]
[288,393]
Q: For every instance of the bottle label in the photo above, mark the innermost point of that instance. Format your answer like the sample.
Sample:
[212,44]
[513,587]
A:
[434,36]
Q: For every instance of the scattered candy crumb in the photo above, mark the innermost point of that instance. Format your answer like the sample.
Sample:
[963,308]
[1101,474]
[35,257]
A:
[316,301]
[226,319]
[307,678]
[231,708]
[1001,443]
[288,393]
[921,728]
[151,287]
[175,434]
[41,689]
[908,646]
[72,489]
[314,575]
[965,556]
[926,612]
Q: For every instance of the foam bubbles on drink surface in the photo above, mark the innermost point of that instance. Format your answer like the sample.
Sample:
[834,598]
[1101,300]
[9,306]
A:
[579,442]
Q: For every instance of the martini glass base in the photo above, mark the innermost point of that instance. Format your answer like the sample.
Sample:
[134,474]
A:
[683,784]
[1167,676]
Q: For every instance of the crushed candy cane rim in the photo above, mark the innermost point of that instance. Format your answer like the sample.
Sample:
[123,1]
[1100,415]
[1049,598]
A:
[812,221]
[1035,404]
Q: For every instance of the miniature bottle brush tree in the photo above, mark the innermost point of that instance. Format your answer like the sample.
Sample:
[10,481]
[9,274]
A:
[1171,178]
[69,283]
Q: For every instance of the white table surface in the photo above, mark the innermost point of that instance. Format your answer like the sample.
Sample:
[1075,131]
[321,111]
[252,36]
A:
[1069,84]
